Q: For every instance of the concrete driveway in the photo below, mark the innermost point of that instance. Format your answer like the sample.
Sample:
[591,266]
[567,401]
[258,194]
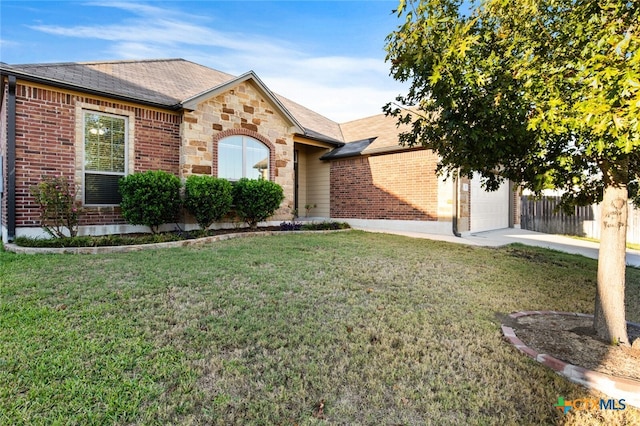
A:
[506,236]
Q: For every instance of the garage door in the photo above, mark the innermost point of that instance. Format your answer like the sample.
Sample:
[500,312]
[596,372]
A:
[489,210]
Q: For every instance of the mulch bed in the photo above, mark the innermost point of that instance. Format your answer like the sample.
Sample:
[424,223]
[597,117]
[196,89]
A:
[572,339]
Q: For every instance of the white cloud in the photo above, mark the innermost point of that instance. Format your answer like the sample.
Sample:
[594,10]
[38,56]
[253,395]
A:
[141,9]
[4,43]
[339,87]
[164,32]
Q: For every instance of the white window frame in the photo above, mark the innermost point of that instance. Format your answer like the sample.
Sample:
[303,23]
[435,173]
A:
[129,117]
[99,172]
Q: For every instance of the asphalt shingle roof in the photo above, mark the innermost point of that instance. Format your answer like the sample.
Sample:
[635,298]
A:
[350,149]
[384,128]
[163,82]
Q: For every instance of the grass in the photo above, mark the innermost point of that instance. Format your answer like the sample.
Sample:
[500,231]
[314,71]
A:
[344,328]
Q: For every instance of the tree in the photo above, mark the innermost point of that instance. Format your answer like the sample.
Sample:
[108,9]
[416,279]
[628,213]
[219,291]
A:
[545,93]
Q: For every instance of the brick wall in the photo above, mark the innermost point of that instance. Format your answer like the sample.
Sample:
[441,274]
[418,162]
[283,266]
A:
[400,186]
[46,133]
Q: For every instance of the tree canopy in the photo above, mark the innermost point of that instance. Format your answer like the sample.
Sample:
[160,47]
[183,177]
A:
[545,93]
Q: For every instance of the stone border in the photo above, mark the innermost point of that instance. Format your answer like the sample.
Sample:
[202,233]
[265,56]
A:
[614,387]
[153,246]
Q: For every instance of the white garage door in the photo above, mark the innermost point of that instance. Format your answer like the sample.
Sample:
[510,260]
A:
[489,210]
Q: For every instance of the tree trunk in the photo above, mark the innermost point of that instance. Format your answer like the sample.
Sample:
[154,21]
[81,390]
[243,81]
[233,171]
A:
[609,320]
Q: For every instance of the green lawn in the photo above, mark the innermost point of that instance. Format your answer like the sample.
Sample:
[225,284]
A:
[380,329]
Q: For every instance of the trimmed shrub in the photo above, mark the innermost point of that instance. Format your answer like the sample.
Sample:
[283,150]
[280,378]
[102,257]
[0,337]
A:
[256,200]
[207,198]
[150,198]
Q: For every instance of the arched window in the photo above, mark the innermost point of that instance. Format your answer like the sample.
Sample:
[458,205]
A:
[242,156]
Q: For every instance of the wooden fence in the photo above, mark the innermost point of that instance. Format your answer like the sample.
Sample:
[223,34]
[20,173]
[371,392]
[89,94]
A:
[541,216]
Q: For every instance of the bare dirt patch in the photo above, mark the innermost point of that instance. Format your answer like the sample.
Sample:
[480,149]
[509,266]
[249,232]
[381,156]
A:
[571,339]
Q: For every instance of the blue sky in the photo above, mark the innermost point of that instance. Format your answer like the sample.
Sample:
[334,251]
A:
[325,55]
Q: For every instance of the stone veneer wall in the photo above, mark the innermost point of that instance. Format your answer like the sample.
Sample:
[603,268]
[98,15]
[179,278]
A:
[239,111]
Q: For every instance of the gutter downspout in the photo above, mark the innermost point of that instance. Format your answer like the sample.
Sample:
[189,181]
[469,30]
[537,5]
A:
[456,195]
[11,160]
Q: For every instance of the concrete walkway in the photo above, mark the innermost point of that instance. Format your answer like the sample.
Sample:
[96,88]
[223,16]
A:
[506,236]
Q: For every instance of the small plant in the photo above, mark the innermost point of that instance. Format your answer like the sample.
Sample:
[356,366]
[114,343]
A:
[59,209]
[308,208]
[256,200]
[150,198]
[207,198]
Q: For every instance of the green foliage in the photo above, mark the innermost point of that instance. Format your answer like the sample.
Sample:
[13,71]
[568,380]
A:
[58,207]
[84,241]
[99,241]
[308,208]
[150,198]
[545,93]
[325,226]
[313,226]
[256,200]
[207,198]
